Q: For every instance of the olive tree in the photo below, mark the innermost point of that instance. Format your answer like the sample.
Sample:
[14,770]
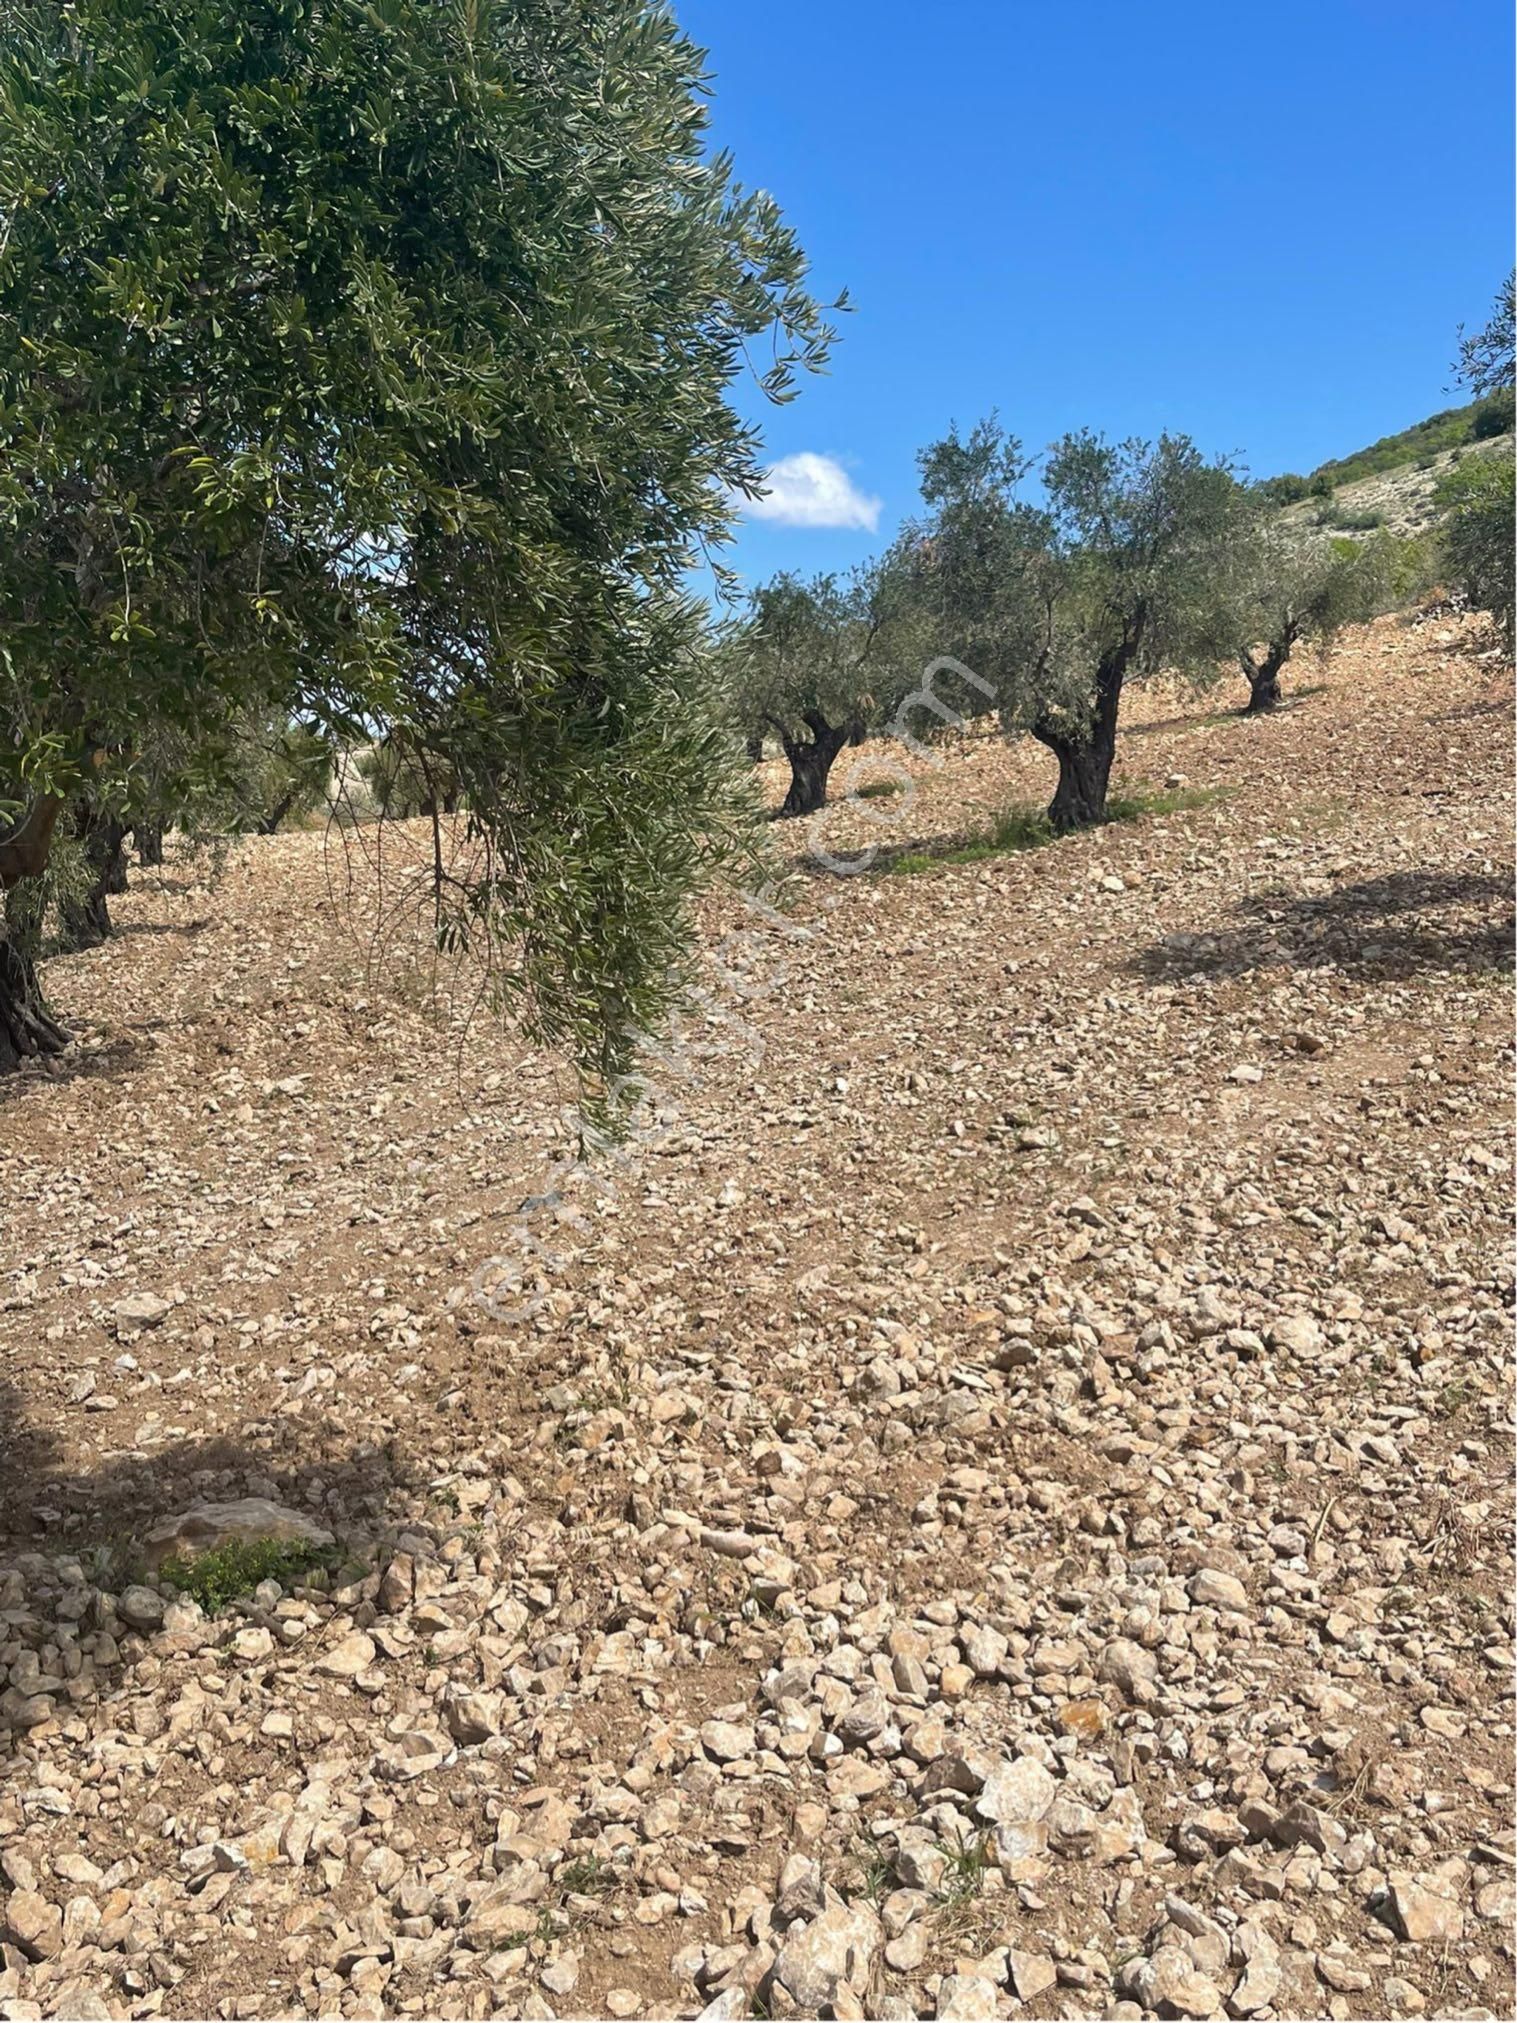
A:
[813,663]
[1300,589]
[1126,567]
[368,361]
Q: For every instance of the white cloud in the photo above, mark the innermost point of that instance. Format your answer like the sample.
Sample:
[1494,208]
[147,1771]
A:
[808,490]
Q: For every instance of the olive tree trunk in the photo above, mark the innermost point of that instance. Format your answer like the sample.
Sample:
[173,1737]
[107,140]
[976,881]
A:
[28,1030]
[86,920]
[1263,676]
[811,762]
[1085,755]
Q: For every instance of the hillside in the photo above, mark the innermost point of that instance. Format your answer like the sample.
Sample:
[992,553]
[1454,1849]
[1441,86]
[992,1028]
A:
[1012,1468]
[1454,428]
[1399,498]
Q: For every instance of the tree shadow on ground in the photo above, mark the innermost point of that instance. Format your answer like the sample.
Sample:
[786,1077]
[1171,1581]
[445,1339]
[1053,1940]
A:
[1403,924]
[1469,712]
[358,1492]
[47,1507]
[113,1062]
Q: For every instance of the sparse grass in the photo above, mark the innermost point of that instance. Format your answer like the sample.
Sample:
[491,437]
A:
[1016,828]
[1023,828]
[586,1876]
[1142,801]
[874,1877]
[230,1573]
[1455,1396]
[964,1877]
[959,1910]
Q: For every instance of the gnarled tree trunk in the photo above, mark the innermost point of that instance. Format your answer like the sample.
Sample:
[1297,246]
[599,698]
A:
[1263,676]
[810,764]
[87,921]
[148,837]
[28,1030]
[1085,757]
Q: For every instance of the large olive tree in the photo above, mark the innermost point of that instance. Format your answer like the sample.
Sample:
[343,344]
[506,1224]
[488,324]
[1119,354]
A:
[1125,567]
[368,361]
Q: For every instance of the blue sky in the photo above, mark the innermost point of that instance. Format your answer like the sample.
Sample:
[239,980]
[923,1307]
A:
[1256,223]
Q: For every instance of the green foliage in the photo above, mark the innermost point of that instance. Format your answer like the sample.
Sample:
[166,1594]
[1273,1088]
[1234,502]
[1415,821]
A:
[1493,415]
[1300,588]
[405,782]
[1124,569]
[369,363]
[804,650]
[1485,362]
[231,1573]
[1477,500]
[842,650]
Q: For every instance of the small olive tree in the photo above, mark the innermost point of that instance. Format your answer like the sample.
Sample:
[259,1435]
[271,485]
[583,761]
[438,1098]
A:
[1487,360]
[1302,590]
[813,663]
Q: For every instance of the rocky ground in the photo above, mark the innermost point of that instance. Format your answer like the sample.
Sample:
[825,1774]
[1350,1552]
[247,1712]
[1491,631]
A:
[1402,497]
[998,1505]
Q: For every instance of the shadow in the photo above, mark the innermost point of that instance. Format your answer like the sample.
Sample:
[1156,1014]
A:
[49,1514]
[1498,705]
[45,1507]
[1399,925]
[1292,699]
[123,930]
[112,1062]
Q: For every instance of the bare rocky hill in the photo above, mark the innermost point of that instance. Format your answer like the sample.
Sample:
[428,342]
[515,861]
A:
[999,1504]
[1401,499]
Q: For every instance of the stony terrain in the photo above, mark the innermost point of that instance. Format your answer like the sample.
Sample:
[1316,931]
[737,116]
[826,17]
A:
[1402,497]
[998,1505]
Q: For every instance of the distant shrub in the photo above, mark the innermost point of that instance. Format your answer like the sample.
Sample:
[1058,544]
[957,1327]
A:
[1478,501]
[1352,520]
[1285,490]
[1413,564]
[1492,416]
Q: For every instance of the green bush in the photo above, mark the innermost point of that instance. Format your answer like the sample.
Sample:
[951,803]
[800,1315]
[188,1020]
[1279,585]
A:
[1478,500]
[1354,520]
[1285,490]
[1492,416]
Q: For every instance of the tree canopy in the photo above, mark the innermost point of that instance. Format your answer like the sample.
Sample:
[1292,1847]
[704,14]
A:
[819,663]
[1487,361]
[369,363]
